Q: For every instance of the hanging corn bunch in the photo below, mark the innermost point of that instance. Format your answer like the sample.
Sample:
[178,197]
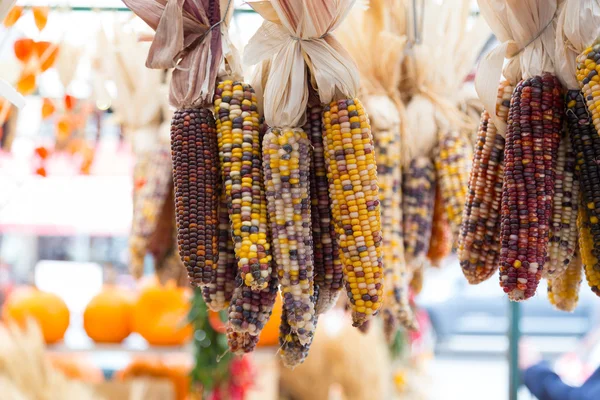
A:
[239,152]
[586,145]
[418,190]
[327,263]
[563,290]
[563,222]
[440,244]
[452,157]
[478,245]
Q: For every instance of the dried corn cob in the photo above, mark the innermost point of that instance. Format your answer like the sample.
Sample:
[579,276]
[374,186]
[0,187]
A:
[478,244]
[328,266]
[150,197]
[586,145]
[196,178]
[217,294]
[563,290]
[292,351]
[390,324]
[589,81]
[416,283]
[238,129]
[532,140]
[286,158]
[241,343]
[452,157]
[250,310]
[354,194]
[418,196]
[563,227]
[440,244]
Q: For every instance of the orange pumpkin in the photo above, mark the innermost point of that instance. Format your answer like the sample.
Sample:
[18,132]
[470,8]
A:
[160,314]
[47,309]
[13,16]
[107,317]
[270,333]
[76,367]
[176,371]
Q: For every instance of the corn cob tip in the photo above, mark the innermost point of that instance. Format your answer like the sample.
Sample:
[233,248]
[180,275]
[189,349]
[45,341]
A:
[241,343]
[326,300]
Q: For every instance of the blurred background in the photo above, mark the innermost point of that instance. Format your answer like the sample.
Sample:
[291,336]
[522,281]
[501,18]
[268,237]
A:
[66,210]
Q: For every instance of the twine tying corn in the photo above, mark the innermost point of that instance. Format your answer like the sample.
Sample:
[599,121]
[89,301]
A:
[418,195]
[563,290]
[354,194]
[196,179]
[478,244]
[327,262]
[217,294]
[453,165]
[238,129]
[563,223]
[532,140]
[586,145]
[589,81]
[286,158]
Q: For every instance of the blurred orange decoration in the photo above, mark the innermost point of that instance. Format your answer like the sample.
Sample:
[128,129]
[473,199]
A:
[42,152]
[23,49]
[48,108]
[77,367]
[41,171]
[13,16]
[5,109]
[64,127]
[152,367]
[26,83]
[70,102]
[88,159]
[47,309]
[46,53]
[107,317]
[160,314]
[270,333]
[40,15]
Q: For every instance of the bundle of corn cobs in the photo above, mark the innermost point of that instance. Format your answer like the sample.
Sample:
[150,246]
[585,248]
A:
[534,178]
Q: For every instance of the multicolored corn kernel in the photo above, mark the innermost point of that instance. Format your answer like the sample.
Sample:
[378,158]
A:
[152,189]
[291,349]
[563,223]
[250,310]
[530,155]
[354,195]
[440,244]
[478,245]
[586,145]
[241,343]
[589,81]
[218,293]
[453,159]
[328,265]
[286,158]
[238,132]
[418,197]
[563,290]
[388,141]
[197,181]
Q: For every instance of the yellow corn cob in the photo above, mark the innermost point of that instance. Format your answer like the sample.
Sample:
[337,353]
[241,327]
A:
[589,81]
[453,162]
[586,246]
[286,158]
[238,130]
[563,290]
[354,193]
[440,244]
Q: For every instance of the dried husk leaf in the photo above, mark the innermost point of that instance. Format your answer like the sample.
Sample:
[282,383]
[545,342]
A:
[296,35]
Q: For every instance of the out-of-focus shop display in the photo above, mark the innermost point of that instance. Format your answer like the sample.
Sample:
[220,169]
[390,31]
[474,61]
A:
[281,199]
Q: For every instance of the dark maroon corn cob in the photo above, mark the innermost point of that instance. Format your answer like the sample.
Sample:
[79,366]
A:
[196,178]
[532,140]
[328,266]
